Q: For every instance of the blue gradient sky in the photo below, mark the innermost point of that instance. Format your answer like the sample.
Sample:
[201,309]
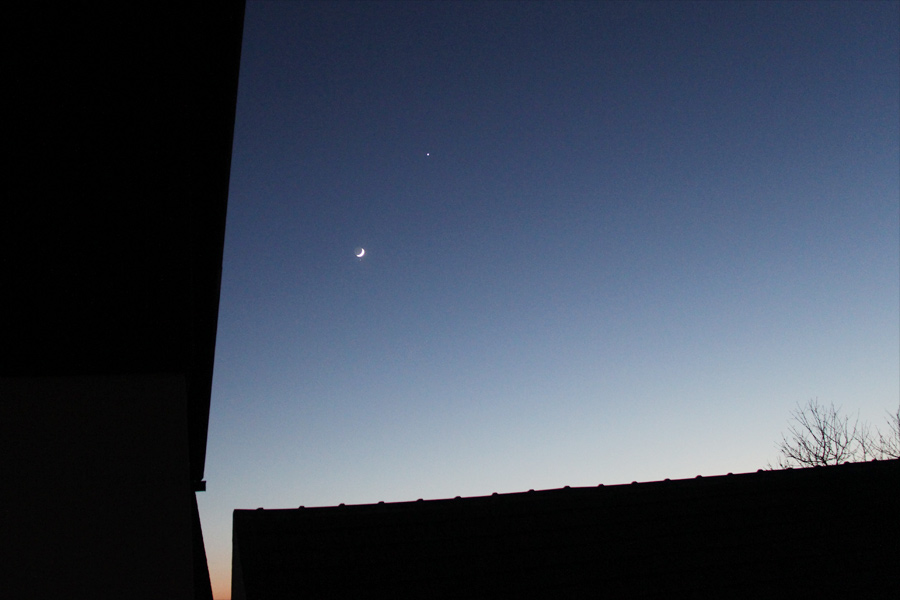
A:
[604,243]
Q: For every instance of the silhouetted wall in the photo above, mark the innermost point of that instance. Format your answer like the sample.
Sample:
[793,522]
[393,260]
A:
[120,119]
[101,501]
[829,532]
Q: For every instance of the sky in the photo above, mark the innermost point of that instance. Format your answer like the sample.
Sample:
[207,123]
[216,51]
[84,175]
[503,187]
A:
[604,242]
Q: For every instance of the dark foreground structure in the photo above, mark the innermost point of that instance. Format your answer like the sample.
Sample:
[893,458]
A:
[830,532]
[119,142]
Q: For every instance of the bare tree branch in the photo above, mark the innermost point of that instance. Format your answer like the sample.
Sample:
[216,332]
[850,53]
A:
[888,445]
[820,435]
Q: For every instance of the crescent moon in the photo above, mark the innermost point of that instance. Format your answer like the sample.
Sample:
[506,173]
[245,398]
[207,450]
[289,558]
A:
[360,252]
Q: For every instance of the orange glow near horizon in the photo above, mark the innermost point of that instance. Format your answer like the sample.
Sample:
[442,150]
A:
[220,578]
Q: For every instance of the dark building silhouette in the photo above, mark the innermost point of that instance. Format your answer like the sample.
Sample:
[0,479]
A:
[830,532]
[118,136]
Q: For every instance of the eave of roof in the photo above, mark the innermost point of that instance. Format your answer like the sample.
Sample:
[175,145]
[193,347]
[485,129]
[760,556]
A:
[730,483]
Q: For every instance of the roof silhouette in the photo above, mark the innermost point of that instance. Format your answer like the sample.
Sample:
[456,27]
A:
[826,530]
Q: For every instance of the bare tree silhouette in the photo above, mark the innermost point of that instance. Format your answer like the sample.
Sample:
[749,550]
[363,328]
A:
[888,445]
[821,435]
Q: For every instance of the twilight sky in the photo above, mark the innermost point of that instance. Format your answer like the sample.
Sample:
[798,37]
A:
[604,242]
